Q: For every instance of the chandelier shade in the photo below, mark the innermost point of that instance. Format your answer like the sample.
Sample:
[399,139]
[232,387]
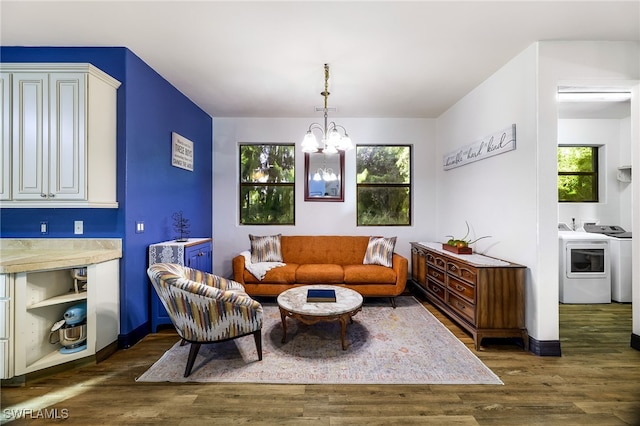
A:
[334,137]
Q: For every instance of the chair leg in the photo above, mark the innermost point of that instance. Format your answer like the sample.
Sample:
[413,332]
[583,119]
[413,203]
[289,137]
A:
[393,302]
[193,353]
[257,335]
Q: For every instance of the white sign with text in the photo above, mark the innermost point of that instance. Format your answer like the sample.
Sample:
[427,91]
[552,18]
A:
[494,144]
[181,152]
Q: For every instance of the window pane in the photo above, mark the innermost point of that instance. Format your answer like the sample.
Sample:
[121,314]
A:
[267,204]
[578,174]
[383,206]
[267,163]
[383,164]
[576,159]
[576,188]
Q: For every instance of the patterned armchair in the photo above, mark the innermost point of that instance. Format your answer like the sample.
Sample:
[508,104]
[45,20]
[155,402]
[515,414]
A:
[205,308]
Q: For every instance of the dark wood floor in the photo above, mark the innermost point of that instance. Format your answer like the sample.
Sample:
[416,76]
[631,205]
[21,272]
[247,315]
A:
[595,382]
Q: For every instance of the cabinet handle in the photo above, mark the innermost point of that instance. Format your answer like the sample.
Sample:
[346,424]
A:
[459,288]
[43,195]
[52,195]
[201,254]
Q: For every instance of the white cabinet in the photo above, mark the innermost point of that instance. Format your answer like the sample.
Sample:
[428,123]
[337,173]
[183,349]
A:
[63,135]
[6,327]
[5,148]
[42,297]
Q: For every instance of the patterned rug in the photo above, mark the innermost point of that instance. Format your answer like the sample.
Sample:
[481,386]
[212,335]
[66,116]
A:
[406,345]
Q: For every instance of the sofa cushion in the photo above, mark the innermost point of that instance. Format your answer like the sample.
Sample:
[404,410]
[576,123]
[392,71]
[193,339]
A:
[266,249]
[320,273]
[366,274]
[323,249]
[380,251]
[281,275]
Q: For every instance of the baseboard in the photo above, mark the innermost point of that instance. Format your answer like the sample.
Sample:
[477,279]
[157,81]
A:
[544,347]
[107,351]
[125,341]
[635,341]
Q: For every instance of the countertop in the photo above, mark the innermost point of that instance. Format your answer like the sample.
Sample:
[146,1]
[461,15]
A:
[41,254]
[475,259]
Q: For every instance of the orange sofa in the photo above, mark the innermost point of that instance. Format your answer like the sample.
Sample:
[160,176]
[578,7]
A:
[335,260]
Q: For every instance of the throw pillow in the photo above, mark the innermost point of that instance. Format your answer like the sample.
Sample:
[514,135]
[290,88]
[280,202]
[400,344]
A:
[380,251]
[266,249]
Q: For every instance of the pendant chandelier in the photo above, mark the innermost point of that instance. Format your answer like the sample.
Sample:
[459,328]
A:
[334,136]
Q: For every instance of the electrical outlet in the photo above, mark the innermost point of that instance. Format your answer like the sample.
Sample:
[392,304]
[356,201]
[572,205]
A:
[44,227]
[139,227]
[78,227]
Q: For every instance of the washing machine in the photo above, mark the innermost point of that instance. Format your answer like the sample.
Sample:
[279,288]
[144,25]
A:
[585,267]
[620,248]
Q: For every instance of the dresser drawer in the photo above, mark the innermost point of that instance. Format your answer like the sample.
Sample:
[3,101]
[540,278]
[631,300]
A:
[463,289]
[436,260]
[435,275]
[435,289]
[461,270]
[462,307]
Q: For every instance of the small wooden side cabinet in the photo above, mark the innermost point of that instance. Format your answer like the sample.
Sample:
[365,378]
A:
[484,295]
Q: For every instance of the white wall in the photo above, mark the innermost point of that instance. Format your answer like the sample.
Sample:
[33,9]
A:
[497,195]
[579,63]
[318,218]
[615,152]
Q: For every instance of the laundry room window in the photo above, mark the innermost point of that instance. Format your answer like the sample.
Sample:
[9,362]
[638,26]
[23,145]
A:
[577,174]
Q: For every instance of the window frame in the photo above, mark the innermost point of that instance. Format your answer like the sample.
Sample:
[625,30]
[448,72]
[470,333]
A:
[408,185]
[253,184]
[595,173]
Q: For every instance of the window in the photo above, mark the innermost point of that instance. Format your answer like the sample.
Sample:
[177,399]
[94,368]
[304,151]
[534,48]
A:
[578,174]
[383,185]
[267,183]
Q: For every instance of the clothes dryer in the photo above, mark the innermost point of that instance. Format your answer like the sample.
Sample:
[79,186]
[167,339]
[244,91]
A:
[585,268]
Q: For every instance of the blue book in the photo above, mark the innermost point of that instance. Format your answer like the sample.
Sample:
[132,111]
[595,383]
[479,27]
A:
[321,295]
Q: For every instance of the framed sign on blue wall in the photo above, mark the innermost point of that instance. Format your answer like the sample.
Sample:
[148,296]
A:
[181,152]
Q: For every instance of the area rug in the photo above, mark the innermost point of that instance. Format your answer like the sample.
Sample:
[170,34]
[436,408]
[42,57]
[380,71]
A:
[406,345]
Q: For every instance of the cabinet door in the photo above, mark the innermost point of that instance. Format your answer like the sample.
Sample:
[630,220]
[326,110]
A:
[67,105]
[199,257]
[5,148]
[30,135]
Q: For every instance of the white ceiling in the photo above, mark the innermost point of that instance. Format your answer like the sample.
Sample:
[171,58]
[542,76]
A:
[265,59]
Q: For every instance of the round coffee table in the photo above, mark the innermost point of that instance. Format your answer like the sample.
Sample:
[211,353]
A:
[293,303]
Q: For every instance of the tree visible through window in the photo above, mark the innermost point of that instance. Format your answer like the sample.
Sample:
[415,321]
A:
[383,180]
[267,183]
[577,173]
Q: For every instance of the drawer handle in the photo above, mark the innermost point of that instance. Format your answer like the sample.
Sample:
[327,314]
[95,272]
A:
[439,262]
[459,288]
[435,289]
[453,267]
[461,306]
[434,273]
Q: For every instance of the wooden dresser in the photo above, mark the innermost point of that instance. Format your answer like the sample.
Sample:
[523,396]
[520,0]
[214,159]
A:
[484,295]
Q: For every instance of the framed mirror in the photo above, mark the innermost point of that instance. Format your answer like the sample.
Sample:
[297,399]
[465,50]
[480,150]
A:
[324,176]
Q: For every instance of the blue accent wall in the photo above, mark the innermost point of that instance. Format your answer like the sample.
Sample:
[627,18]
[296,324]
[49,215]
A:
[149,188]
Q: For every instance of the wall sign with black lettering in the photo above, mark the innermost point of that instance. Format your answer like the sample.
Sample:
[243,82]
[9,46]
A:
[494,144]
[181,152]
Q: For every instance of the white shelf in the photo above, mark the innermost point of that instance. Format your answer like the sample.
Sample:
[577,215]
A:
[64,298]
[55,358]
